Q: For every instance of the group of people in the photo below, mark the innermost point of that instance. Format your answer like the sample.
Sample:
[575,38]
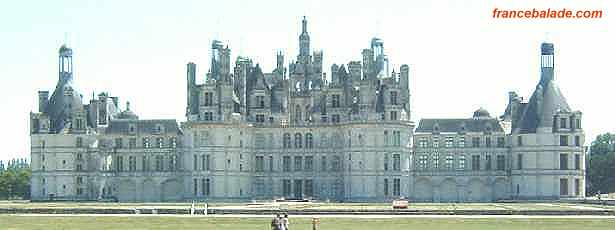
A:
[279,222]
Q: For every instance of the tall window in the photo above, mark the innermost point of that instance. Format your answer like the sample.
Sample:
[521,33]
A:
[563,187]
[396,187]
[323,163]
[260,102]
[286,163]
[397,138]
[520,161]
[309,141]
[423,162]
[519,141]
[309,163]
[159,163]
[208,116]
[209,99]
[393,97]
[195,162]
[119,166]
[462,142]
[335,101]
[260,163]
[396,162]
[475,162]
[488,162]
[132,143]
[436,141]
[501,162]
[462,162]
[577,186]
[500,142]
[286,188]
[298,163]
[336,163]
[577,161]
[118,143]
[577,141]
[488,142]
[475,142]
[386,162]
[132,163]
[448,142]
[270,163]
[448,162]
[436,160]
[206,187]
[298,141]
[563,161]
[79,141]
[260,118]
[146,142]
[144,164]
[286,141]
[386,187]
[159,142]
[563,122]
[393,115]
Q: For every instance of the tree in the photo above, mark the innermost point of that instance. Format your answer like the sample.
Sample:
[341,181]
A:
[602,164]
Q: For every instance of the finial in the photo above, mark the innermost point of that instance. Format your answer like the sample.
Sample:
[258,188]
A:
[127,105]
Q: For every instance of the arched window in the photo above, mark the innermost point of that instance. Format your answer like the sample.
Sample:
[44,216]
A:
[309,141]
[286,142]
[298,141]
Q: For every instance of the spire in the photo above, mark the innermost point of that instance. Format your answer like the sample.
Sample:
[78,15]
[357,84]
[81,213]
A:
[304,26]
[304,41]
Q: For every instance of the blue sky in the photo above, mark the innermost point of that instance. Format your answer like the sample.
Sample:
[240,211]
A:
[460,58]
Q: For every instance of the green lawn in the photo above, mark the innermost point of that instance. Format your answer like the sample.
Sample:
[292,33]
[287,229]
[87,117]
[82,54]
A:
[156,222]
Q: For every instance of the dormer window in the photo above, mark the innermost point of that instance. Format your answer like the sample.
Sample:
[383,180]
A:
[131,128]
[260,102]
[209,99]
[578,123]
[159,129]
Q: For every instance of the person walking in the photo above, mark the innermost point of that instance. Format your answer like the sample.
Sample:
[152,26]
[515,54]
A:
[285,222]
[275,222]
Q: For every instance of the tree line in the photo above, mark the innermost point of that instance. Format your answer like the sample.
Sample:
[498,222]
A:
[601,167]
[15,179]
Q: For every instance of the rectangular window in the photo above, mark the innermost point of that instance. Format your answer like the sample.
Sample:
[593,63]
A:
[475,142]
[209,99]
[132,143]
[195,186]
[335,118]
[286,188]
[488,162]
[462,162]
[475,162]
[577,141]
[205,187]
[336,163]
[298,163]
[309,188]
[563,187]
[270,163]
[144,164]
[259,141]
[448,162]
[386,187]
[396,162]
[260,163]
[396,187]
[448,142]
[520,161]
[462,142]
[563,161]
[423,142]
[260,118]
[335,101]
[159,163]
[195,162]
[386,162]
[562,123]
[260,102]
[563,140]
[309,163]
[577,161]
[286,163]
[118,143]
[423,162]
[501,162]
[119,166]
[519,141]
[577,186]
[393,115]
[79,143]
[488,142]
[132,163]
[323,163]
[397,138]
[208,116]
[436,160]
[394,98]
[146,142]
[500,142]
[159,142]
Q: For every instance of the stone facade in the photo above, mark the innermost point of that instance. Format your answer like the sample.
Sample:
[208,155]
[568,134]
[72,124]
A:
[295,133]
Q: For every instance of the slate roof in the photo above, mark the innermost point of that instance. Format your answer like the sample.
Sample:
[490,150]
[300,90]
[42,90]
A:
[456,124]
[170,126]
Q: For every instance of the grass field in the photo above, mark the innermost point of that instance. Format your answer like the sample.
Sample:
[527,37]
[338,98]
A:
[152,222]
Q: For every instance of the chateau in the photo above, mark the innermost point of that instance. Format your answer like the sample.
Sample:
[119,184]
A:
[297,133]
